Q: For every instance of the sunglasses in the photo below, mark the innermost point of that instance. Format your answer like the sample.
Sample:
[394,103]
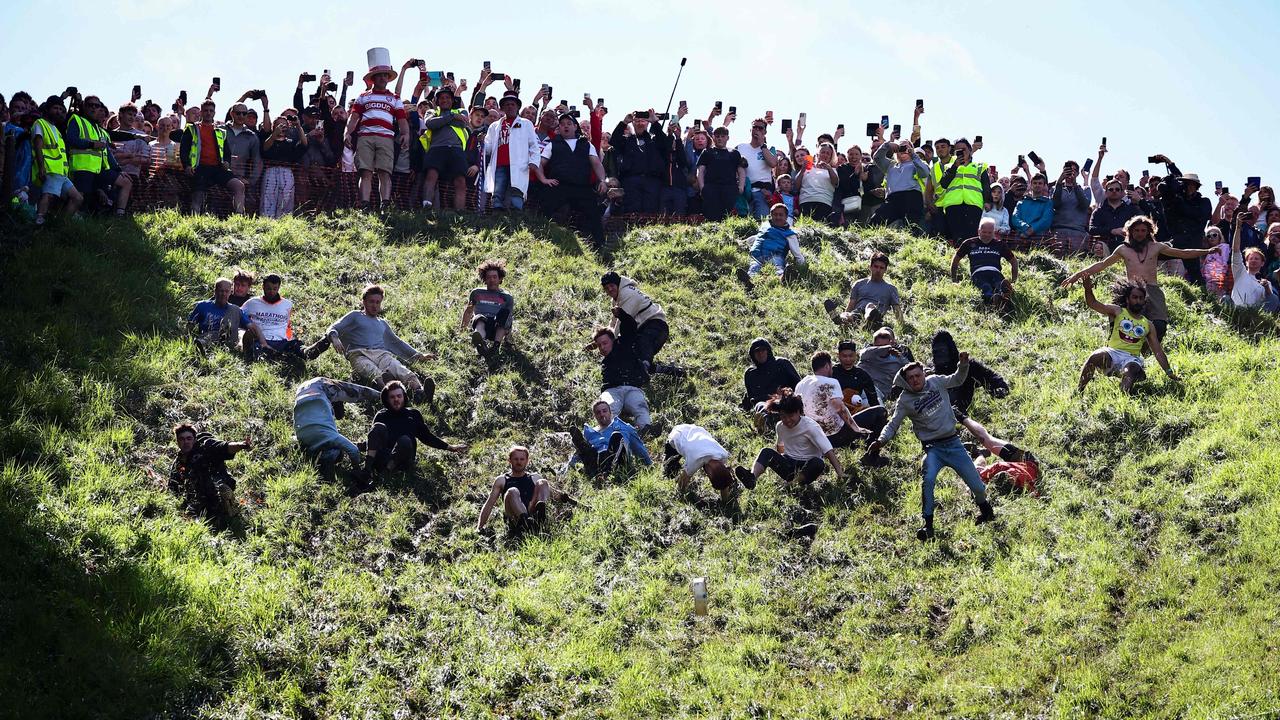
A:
[1114,189]
[94,106]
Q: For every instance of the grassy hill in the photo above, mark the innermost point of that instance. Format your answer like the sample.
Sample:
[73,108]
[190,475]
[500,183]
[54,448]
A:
[1142,583]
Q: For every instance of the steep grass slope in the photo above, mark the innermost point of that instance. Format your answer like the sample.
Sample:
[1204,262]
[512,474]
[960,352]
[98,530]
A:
[1143,583]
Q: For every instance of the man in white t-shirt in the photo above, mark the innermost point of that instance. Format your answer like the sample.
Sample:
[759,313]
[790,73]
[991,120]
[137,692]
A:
[802,446]
[824,402]
[760,162]
[691,448]
[271,331]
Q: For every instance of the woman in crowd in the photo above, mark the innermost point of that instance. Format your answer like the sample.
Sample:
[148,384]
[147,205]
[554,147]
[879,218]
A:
[1216,268]
[817,185]
[996,210]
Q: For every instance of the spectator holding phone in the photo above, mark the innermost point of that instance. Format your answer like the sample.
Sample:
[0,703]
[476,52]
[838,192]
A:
[1250,291]
[817,185]
[1034,214]
[284,148]
[445,140]
[371,129]
[204,156]
[640,162]
[569,165]
[848,198]
[93,167]
[760,163]
[1071,210]
[967,190]
[903,175]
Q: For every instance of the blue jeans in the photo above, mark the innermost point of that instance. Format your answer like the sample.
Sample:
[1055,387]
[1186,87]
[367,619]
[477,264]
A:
[759,206]
[989,282]
[949,453]
[317,438]
[673,200]
[778,260]
[503,194]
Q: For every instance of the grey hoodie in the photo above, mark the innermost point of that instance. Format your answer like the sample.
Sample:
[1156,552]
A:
[930,409]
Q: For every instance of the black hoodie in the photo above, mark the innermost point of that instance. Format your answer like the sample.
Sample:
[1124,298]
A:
[764,379]
[946,358]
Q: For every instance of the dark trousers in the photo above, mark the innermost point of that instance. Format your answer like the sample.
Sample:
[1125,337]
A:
[595,462]
[402,450]
[673,200]
[584,202]
[990,283]
[873,419]
[787,467]
[718,200]
[907,205]
[651,338]
[1190,265]
[642,193]
[962,222]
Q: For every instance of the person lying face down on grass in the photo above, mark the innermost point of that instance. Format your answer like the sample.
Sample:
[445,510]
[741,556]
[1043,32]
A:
[489,310]
[926,402]
[317,406]
[691,448]
[608,445]
[1131,330]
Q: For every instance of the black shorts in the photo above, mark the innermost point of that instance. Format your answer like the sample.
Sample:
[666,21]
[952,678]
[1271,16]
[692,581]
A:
[450,162]
[208,176]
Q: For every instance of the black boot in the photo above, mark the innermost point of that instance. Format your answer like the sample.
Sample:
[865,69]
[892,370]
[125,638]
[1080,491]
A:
[1011,453]
[313,351]
[925,533]
[985,513]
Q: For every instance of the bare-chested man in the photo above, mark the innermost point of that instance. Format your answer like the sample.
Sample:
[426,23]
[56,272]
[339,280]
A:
[1141,254]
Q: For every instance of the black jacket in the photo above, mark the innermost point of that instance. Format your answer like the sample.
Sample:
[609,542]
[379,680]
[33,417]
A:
[764,379]
[857,380]
[622,365]
[632,159]
[408,422]
[946,358]
[196,478]
[1185,217]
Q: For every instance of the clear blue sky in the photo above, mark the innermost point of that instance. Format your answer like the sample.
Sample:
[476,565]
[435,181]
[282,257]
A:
[1192,80]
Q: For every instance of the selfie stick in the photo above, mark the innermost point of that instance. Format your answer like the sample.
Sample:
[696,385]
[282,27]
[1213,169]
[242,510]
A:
[673,87]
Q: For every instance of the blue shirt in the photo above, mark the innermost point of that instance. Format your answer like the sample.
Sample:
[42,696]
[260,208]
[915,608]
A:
[22,155]
[599,439]
[208,316]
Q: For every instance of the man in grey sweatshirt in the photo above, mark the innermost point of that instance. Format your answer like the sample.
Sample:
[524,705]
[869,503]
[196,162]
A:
[927,403]
[317,406]
[375,351]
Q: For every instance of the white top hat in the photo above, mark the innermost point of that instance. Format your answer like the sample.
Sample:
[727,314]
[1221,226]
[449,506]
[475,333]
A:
[379,62]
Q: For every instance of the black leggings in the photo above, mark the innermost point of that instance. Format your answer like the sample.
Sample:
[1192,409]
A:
[651,338]
[403,450]
[787,467]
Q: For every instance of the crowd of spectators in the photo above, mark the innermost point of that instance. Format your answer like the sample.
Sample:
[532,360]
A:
[489,150]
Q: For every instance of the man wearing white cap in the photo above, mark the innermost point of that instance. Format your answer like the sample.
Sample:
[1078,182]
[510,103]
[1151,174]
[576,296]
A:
[371,129]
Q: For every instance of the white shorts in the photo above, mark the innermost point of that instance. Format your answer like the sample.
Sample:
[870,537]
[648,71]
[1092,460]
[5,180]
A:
[1121,360]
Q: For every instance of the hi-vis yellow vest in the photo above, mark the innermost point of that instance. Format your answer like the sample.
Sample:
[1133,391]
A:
[463,133]
[219,135]
[53,150]
[965,188]
[90,159]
